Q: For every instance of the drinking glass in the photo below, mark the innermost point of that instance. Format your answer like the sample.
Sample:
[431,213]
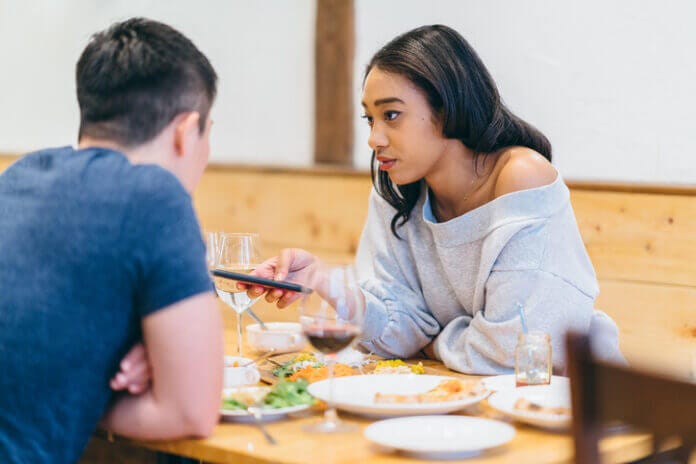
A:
[331,319]
[533,359]
[238,252]
[212,248]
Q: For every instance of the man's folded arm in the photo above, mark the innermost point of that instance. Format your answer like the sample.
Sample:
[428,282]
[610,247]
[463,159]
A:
[185,349]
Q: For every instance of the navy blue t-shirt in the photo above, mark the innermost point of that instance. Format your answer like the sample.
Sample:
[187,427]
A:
[89,245]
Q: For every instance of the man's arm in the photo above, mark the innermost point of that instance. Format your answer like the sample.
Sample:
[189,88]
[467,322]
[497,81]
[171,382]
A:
[185,347]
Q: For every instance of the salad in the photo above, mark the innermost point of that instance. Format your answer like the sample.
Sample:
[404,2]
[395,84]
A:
[282,395]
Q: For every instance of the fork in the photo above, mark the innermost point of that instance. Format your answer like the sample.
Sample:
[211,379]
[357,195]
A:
[255,411]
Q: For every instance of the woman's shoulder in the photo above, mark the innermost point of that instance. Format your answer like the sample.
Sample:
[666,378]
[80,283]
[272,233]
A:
[521,168]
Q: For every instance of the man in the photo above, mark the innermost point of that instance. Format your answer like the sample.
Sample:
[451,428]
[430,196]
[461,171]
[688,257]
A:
[100,247]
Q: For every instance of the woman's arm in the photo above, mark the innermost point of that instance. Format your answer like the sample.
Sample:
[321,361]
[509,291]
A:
[397,320]
[485,343]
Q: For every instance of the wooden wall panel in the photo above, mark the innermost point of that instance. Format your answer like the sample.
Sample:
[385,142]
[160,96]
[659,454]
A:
[639,237]
[657,323]
[323,213]
[333,50]
[6,161]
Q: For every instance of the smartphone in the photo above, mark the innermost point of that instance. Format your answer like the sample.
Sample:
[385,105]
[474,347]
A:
[249,279]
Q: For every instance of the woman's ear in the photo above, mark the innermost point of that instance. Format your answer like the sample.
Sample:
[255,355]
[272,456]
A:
[185,131]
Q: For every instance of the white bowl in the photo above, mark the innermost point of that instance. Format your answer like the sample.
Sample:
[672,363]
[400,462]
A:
[282,337]
[238,372]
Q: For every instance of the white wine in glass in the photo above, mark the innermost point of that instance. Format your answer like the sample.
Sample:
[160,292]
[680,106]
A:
[332,318]
[237,253]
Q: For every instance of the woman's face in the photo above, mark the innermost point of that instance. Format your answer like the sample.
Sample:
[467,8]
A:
[404,134]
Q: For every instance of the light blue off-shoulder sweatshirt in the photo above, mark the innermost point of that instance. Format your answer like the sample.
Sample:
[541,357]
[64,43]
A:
[458,282]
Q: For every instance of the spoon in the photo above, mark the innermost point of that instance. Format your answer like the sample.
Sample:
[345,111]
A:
[257,319]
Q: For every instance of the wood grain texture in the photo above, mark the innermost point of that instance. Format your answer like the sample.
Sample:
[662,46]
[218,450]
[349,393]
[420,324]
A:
[657,324]
[334,45]
[639,237]
[602,393]
[322,214]
[237,442]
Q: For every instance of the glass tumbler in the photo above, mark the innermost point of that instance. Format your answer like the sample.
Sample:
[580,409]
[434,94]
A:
[533,364]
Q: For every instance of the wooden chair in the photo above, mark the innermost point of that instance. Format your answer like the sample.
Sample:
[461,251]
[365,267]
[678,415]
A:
[604,392]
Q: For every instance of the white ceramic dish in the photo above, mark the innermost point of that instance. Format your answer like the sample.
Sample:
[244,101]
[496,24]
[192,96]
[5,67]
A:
[281,337]
[503,382]
[267,414]
[238,372]
[553,395]
[356,394]
[440,437]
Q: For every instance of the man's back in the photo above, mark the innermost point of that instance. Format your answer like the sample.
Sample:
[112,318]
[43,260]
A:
[90,244]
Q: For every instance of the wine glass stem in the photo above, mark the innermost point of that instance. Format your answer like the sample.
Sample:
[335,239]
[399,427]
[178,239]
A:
[330,413]
[239,334]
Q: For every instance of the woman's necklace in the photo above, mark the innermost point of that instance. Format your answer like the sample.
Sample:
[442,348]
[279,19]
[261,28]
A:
[442,216]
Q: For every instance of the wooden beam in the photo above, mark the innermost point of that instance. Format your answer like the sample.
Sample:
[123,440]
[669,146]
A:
[334,46]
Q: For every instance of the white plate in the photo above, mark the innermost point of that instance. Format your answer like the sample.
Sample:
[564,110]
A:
[356,394]
[440,437]
[502,382]
[267,414]
[553,395]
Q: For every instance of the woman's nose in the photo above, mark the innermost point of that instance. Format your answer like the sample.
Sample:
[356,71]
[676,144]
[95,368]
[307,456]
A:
[377,140]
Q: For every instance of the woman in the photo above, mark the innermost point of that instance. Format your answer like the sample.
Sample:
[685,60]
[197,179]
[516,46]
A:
[467,220]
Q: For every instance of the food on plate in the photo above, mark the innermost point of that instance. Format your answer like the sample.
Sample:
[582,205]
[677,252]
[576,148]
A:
[306,366]
[397,366]
[447,390]
[314,374]
[282,395]
[523,404]
[297,363]
[242,398]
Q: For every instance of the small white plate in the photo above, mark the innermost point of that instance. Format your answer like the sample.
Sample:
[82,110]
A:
[440,437]
[356,394]
[502,382]
[267,414]
[553,395]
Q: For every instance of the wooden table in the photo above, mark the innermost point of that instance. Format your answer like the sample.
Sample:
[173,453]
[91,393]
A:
[244,443]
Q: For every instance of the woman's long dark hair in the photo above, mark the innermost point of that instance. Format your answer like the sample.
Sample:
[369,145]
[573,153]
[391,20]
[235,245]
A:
[460,92]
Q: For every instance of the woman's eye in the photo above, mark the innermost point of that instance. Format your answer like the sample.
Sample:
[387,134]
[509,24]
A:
[391,115]
[368,119]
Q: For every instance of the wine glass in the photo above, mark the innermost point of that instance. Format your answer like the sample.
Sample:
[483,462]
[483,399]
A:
[212,248]
[331,319]
[236,253]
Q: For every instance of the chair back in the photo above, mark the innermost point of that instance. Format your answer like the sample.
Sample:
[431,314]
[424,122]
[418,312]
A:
[603,392]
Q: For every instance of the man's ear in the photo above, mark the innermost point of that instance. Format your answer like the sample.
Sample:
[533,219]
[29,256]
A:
[184,130]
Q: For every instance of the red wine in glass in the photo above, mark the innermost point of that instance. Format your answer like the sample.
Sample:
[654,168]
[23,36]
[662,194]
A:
[331,339]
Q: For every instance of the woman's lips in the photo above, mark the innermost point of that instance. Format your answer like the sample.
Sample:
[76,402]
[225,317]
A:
[385,165]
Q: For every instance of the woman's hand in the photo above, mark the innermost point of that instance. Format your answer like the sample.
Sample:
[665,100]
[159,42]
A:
[134,374]
[292,264]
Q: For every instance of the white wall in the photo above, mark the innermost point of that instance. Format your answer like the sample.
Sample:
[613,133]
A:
[611,83]
[263,52]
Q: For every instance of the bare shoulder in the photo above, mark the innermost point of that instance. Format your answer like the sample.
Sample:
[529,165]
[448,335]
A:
[522,169]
